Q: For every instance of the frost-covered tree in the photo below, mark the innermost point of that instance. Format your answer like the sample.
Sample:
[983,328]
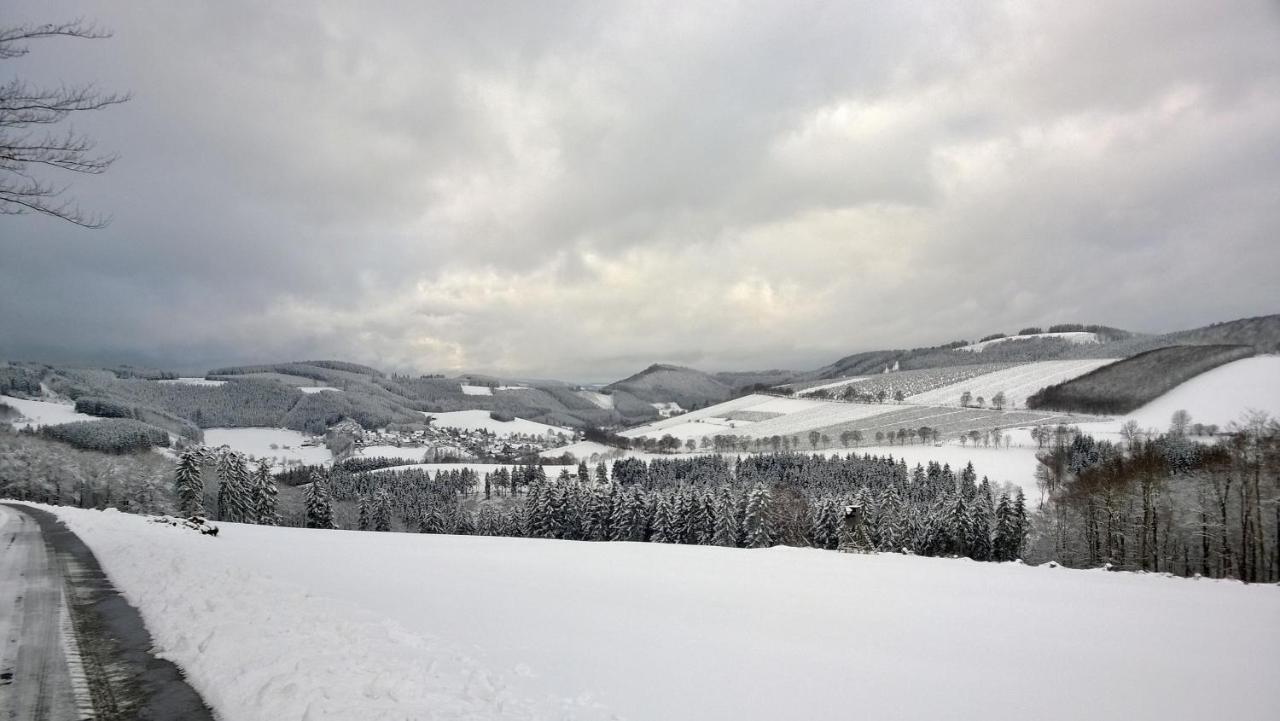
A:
[362,514]
[319,505]
[380,514]
[758,519]
[235,494]
[188,483]
[265,495]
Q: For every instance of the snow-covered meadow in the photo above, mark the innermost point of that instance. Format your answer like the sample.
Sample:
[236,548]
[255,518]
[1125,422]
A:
[1016,383]
[272,623]
[481,420]
[279,445]
[43,413]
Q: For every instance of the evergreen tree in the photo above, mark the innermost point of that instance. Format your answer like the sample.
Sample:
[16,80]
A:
[1005,531]
[981,520]
[602,473]
[758,521]
[189,484]
[824,525]
[235,495]
[664,522]
[957,527]
[380,515]
[362,510]
[726,521]
[266,498]
[319,504]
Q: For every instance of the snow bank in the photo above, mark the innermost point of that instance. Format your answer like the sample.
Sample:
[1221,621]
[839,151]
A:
[259,646]
[274,623]
[44,413]
[257,442]
[480,420]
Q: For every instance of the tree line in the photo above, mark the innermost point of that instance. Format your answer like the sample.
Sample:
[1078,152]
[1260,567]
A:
[1168,504]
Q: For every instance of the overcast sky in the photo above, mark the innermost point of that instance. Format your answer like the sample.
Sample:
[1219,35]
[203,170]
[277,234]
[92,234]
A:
[576,190]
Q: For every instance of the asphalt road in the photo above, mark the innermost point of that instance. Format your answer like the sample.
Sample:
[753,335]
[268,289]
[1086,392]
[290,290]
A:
[71,647]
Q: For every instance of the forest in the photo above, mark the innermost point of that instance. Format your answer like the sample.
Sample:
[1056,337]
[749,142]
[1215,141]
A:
[1170,504]
[757,501]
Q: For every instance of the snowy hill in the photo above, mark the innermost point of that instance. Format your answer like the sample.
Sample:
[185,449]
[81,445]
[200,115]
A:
[1072,337]
[1219,396]
[348,626]
[661,383]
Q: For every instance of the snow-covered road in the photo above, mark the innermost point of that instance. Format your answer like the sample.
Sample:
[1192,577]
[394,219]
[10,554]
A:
[70,647]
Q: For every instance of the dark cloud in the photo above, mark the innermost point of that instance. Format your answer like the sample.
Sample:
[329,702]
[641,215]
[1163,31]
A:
[576,189]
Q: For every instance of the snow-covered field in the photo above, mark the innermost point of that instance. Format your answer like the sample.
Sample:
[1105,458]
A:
[713,419]
[1074,337]
[281,623]
[318,389]
[835,384]
[192,382]
[476,390]
[257,442]
[1220,395]
[43,413]
[480,420]
[1016,383]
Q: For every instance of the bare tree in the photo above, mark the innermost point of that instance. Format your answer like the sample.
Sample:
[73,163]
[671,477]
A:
[25,150]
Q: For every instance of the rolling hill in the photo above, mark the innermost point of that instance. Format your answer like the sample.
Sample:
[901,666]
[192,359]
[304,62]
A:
[661,383]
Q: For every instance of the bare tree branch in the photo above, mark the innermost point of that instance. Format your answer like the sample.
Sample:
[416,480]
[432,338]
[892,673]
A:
[23,106]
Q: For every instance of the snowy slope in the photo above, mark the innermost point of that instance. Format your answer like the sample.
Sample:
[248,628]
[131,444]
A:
[1220,395]
[192,382]
[273,623]
[477,420]
[476,390]
[43,413]
[1016,383]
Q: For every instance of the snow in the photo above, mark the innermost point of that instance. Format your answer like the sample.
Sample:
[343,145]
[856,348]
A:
[1219,396]
[479,468]
[668,409]
[192,382]
[480,420]
[476,390]
[412,454]
[257,442]
[1016,383]
[318,389]
[43,413]
[835,384]
[1074,337]
[716,414]
[602,400]
[370,626]
[795,415]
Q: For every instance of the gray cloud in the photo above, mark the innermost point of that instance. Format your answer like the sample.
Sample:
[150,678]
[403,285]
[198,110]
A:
[576,189]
